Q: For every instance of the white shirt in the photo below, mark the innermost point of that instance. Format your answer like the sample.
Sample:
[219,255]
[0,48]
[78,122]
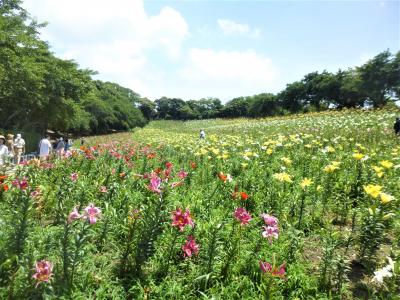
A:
[45,147]
[3,153]
[19,143]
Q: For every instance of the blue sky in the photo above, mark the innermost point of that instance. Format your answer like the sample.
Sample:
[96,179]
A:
[195,49]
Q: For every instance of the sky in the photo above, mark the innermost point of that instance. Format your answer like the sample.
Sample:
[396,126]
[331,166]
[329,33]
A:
[225,49]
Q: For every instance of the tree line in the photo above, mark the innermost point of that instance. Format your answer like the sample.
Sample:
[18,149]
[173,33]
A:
[40,91]
[375,83]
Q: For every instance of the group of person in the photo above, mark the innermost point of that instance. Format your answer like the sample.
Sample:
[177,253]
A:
[59,147]
[11,149]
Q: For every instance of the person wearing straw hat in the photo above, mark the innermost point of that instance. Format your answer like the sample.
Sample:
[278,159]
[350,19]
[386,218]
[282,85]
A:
[10,144]
[3,150]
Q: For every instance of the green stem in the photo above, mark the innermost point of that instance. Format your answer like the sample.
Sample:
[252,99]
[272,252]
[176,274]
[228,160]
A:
[301,210]
[231,253]
[65,251]
[124,260]
[79,244]
[171,249]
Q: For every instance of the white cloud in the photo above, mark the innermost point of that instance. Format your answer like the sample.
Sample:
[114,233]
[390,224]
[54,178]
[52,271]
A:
[228,74]
[230,27]
[112,38]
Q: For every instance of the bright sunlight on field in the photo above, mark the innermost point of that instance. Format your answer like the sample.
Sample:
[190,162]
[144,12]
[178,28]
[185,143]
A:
[297,207]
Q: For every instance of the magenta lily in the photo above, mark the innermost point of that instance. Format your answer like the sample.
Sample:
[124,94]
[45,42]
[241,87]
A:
[44,270]
[74,215]
[270,232]
[181,219]
[182,174]
[242,216]
[155,183]
[272,270]
[92,213]
[20,184]
[74,176]
[190,247]
[269,220]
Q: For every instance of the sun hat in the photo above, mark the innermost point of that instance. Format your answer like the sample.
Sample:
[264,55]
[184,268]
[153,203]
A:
[2,137]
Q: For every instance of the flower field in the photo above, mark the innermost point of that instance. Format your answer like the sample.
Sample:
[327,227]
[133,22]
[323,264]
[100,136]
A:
[296,207]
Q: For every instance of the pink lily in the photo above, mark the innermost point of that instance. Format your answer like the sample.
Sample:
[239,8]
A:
[182,219]
[92,212]
[182,174]
[190,247]
[74,215]
[270,232]
[242,216]
[155,183]
[274,271]
[43,271]
[269,220]
[74,176]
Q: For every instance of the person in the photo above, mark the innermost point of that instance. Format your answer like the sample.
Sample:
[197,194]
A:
[10,144]
[82,141]
[44,147]
[60,146]
[68,145]
[3,150]
[54,144]
[19,148]
[396,126]
[202,134]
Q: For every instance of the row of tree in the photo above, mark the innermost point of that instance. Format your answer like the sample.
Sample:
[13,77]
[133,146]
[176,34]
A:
[375,83]
[41,91]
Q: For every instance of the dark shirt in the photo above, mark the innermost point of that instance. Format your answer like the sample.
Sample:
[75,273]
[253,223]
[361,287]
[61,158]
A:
[396,127]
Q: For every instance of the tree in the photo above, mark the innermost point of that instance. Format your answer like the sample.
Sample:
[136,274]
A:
[205,108]
[263,105]
[186,113]
[394,76]
[21,64]
[169,108]
[111,108]
[147,107]
[319,89]
[348,89]
[293,98]
[377,78]
[237,107]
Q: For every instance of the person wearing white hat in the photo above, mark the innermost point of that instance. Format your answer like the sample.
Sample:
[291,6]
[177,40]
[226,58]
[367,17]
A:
[60,146]
[3,150]
[19,148]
